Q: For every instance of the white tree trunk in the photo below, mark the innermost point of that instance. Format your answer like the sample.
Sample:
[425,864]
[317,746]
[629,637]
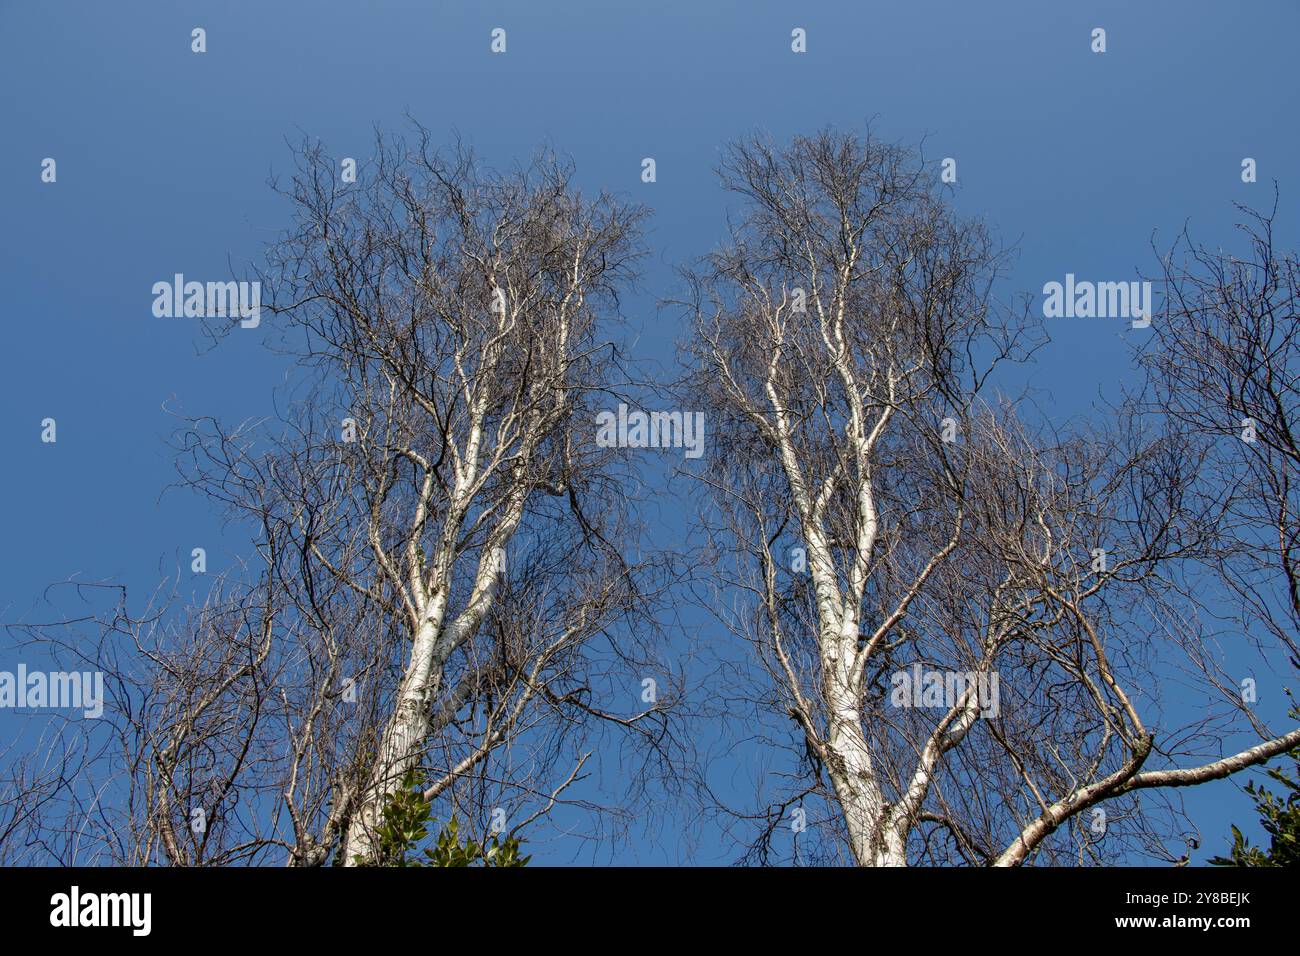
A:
[849,757]
[401,746]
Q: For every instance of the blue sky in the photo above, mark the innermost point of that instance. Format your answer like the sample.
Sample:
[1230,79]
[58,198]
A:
[163,157]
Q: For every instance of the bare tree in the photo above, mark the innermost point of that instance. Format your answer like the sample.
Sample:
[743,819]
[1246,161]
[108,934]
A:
[438,538]
[1225,373]
[984,638]
[959,611]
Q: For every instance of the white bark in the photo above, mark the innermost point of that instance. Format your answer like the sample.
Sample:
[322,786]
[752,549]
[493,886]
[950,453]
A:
[1051,818]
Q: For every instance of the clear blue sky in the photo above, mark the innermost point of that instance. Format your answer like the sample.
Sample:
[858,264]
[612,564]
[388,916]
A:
[163,157]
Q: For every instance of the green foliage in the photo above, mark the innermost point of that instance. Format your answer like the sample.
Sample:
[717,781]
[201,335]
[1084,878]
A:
[405,826]
[1279,817]
[448,851]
